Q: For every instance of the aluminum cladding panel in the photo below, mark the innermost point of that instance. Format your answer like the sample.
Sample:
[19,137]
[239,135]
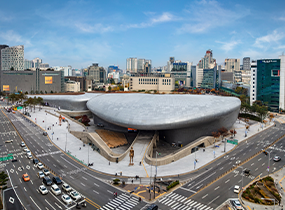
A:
[161,112]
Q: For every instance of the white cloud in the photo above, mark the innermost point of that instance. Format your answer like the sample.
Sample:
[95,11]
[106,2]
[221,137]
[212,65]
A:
[11,37]
[228,46]
[266,41]
[96,28]
[204,15]
[164,17]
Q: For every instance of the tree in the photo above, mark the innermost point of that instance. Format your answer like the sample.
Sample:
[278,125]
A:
[112,81]
[3,180]
[39,101]
[30,102]
[215,135]
[12,68]
[109,88]
[26,92]
[233,132]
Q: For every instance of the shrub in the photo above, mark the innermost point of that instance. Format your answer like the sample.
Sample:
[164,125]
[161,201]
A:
[116,181]
[256,200]
[172,184]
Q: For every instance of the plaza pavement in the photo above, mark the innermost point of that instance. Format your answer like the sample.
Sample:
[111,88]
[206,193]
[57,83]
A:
[69,143]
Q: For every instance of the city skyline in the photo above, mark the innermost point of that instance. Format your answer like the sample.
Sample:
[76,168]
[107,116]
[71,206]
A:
[79,33]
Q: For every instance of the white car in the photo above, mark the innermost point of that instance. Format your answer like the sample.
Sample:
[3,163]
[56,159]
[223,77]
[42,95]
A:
[22,144]
[30,156]
[236,204]
[43,190]
[75,195]
[46,172]
[236,189]
[40,166]
[66,187]
[28,152]
[66,199]
[40,174]
[26,149]
[55,189]
[9,141]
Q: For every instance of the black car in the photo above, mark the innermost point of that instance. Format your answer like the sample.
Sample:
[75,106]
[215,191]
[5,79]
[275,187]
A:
[56,180]
[45,133]
[152,207]
[35,161]
[47,181]
[100,125]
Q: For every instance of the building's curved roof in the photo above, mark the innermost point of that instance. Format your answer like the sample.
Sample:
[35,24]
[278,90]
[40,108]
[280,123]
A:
[160,112]
[71,98]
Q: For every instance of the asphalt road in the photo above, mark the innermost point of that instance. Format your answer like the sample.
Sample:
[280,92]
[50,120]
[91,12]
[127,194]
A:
[87,182]
[222,189]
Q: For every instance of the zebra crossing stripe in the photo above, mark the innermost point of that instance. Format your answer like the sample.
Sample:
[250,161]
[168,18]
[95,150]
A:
[193,204]
[203,207]
[175,204]
[170,203]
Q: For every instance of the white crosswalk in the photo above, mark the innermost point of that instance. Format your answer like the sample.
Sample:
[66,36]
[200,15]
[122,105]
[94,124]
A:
[122,202]
[180,202]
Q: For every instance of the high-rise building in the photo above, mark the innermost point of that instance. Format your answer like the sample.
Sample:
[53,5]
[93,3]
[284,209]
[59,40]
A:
[211,78]
[246,63]
[208,62]
[37,62]
[141,63]
[233,65]
[182,72]
[2,47]
[147,67]
[132,65]
[96,73]
[12,58]
[268,82]
[28,64]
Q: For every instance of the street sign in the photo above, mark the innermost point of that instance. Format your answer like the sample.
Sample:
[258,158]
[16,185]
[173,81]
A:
[234,141]
[8,157]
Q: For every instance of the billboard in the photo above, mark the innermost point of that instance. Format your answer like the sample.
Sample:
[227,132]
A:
[6,88]
[48,80]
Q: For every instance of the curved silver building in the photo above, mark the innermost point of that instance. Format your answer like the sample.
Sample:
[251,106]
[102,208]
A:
[69,102]
[178,118]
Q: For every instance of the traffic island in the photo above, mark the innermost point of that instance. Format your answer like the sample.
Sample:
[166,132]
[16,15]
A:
[262,192]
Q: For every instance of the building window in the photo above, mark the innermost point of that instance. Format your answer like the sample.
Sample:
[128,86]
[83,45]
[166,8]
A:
[252,82]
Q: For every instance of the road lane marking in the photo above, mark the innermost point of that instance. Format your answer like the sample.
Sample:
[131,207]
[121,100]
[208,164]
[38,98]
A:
[263,164]
[109,191]
[97,185]
[259,159]
[213,200]
[84,178]
[25,189]
[227,181]
[256,169]
[95,191]
[35,203]
[221,168]
[252,164]
[82,184]
[204,196]
[49,204]
[217,188]
[187,189]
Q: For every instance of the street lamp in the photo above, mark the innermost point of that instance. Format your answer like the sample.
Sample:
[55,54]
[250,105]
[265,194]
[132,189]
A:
[195,157]
[156,162]
[272,199]
[65,142]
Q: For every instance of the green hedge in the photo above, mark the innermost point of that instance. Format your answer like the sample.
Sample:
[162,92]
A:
[251,117]
[116,181]
[172,184]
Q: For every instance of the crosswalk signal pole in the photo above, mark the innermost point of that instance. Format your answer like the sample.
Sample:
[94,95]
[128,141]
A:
[154,185]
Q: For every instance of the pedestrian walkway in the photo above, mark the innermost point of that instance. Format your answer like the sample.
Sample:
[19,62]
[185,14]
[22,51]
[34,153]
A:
[180,202]
[69,143]
[122,202]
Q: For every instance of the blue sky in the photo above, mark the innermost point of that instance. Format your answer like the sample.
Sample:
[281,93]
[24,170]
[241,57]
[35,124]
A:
[80,33]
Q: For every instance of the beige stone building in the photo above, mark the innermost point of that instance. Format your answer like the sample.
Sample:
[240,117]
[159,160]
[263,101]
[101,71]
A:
[72,86]
[163,82]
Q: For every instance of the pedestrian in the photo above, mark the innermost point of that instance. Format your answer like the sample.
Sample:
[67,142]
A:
[116,194]
[140,163]
[79,148]
[109,162]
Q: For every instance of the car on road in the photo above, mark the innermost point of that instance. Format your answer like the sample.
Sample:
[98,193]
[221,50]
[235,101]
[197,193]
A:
[43,190]
[152,207]
[40,174]
[9,141]
[14,160]
[40,166]
[75,195]
[236,189]
[264,151]
[66,199]
[47,181]
[66,187]
[236,204]
[26,149]
[28,152]
[26,177]
[246,172]
[30,156]
[22,144]
[56,180]
[277,158]
[55,189]
[46,172]
[35,161]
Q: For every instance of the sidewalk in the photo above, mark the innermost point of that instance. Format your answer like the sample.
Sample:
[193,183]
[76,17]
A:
[67,142]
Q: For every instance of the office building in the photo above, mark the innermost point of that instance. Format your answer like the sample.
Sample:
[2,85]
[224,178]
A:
[233,65]
[72,86]
[85,84]
[12,58]
[28,64]
[211,78]
[268,82]
[246,63]
[208,62]
[32,81]
[96,74]
[152,82]
[2,47]
[135,65]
